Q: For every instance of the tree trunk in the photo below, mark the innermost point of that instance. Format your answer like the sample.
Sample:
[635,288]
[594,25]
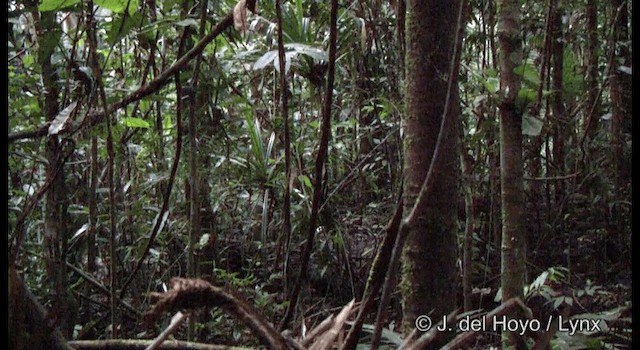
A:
[620,87]
[511,164]
[55,221]
[429,273]
[592,112]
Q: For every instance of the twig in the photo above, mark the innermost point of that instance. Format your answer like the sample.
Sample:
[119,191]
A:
[176,321]
[189,294]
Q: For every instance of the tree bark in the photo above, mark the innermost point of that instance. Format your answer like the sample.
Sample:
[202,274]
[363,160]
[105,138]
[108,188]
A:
[511,163]
[592,106]
[428,272]
[620,91]
[55,221]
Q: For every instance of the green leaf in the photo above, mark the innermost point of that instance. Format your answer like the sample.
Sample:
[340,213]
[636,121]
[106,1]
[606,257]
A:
[531,126]
[28,60]
[528,73]
[121,26]
[119,6]
[48,44]
[132,122]
[527,95]
[492,84]
[306,181]
[53,5]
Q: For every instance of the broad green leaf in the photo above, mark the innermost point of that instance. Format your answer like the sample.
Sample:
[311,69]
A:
[492,84]
[53,5]
[526,96]
[121,26]
[28,60]
[133,122]
[119,6]
[528,73]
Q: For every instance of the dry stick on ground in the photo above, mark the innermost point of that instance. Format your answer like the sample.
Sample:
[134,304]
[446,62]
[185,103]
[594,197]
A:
[427,185]
[319,167]
[543,341]
[176,321]
[143,344]
[189,294]
[499,311]
[328,337]
[433,334]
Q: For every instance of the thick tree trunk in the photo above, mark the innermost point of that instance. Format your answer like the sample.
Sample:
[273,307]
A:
[429,273]
[29,325]
[511,163]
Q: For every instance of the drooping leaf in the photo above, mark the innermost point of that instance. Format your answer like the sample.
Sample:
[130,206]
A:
[265,59]
[626,69]
[204,241]
[313,52]
[540,280]
[531,126]
[187,22]
[55,5]
[287,62]
[60,121]
[240,16]
[526,96]
[132,122]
